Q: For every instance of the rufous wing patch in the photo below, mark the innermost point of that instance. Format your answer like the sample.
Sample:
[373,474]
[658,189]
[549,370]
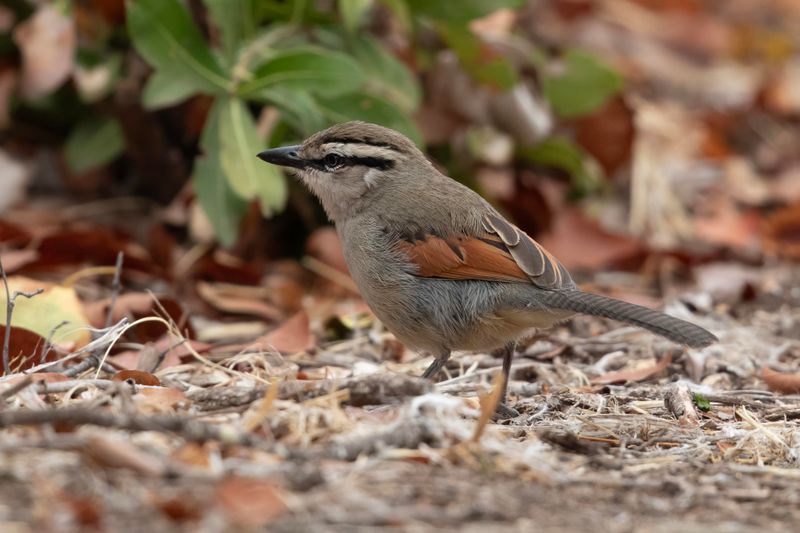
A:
[502,253]
[463,258]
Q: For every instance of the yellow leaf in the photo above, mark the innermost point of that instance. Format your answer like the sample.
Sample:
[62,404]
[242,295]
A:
[42,313]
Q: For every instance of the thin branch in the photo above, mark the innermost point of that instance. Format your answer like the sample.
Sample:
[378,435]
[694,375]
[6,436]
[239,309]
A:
[188,428]
[10,302]
[115,288]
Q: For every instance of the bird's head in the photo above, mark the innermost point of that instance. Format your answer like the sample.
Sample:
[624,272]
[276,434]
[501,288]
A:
[349,163]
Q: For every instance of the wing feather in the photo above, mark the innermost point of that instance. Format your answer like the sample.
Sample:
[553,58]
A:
[502,253]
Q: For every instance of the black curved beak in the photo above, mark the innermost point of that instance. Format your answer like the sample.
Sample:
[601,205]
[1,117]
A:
[286,156]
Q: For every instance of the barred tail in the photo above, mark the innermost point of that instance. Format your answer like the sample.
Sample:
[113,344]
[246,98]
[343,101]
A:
[667,326]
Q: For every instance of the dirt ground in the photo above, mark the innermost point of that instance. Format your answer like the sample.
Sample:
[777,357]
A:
[618,431]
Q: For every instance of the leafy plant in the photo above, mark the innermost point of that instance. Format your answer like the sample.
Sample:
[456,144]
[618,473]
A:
[316,67]
[312,86]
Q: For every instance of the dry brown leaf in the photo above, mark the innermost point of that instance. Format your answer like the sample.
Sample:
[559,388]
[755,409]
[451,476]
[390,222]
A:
[250,502]
[159,400]
[131,359]
[782,233]
[639,374]
[292,336]
[607,134]
[580,242]
[780,381]
[193,454]
[231,302]
[324,245]
[24,347]
[136,305]
[47,42]
[137,376]
[727,225]
[180,509]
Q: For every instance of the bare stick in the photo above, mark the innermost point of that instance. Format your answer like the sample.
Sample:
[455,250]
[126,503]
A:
[405,433]
[10,302]
[15,389]
[373,389]
[115,288]
[187,428]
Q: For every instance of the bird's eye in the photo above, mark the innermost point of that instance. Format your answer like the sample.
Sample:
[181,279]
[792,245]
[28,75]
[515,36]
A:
[333,160]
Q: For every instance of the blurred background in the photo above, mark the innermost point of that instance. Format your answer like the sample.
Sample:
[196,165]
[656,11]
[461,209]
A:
[655,137]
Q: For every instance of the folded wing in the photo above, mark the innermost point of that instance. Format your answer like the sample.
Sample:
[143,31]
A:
[502,252]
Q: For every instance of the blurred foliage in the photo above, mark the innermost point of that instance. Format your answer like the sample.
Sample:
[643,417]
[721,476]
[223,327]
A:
[314,66]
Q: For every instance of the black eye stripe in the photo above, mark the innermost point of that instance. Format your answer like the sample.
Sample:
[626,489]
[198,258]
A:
[351,161]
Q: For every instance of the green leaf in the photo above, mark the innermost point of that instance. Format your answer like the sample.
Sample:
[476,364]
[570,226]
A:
[701,402]
[353,12]
[459,11]
[582,84]
[239,145]
[562,154]
[164,89]
[316,71]
[386,75]
[298,109]
[93,143]
[165,35]
[481,62]
[236,20]
[223,207]
[360,106]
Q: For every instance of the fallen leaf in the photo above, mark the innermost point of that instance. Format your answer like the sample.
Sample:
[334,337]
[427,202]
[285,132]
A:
[131,359]
[136,305]
[324,245]
[634,375]
[159,400]
[579,242]
[180,509]
[193,454]
[231,302]
[14,260]
[86,511]
[13,234]
[224,267]
[782,233]
[136,376]
[249,502]
[24,348]
[82,245]
[42,313]
[781,382]
[47,41]
[292,336]
[727,225]
[607,134]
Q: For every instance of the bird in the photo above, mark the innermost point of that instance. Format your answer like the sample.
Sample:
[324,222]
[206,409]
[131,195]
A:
[439,266]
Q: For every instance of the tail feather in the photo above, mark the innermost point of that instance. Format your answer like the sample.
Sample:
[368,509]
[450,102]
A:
[667,326]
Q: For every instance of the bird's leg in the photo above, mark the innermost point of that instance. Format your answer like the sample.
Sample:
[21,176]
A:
[436,365]
[503,410]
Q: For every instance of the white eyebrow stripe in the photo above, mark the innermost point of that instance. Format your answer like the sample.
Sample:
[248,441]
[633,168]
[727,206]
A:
[360,150]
